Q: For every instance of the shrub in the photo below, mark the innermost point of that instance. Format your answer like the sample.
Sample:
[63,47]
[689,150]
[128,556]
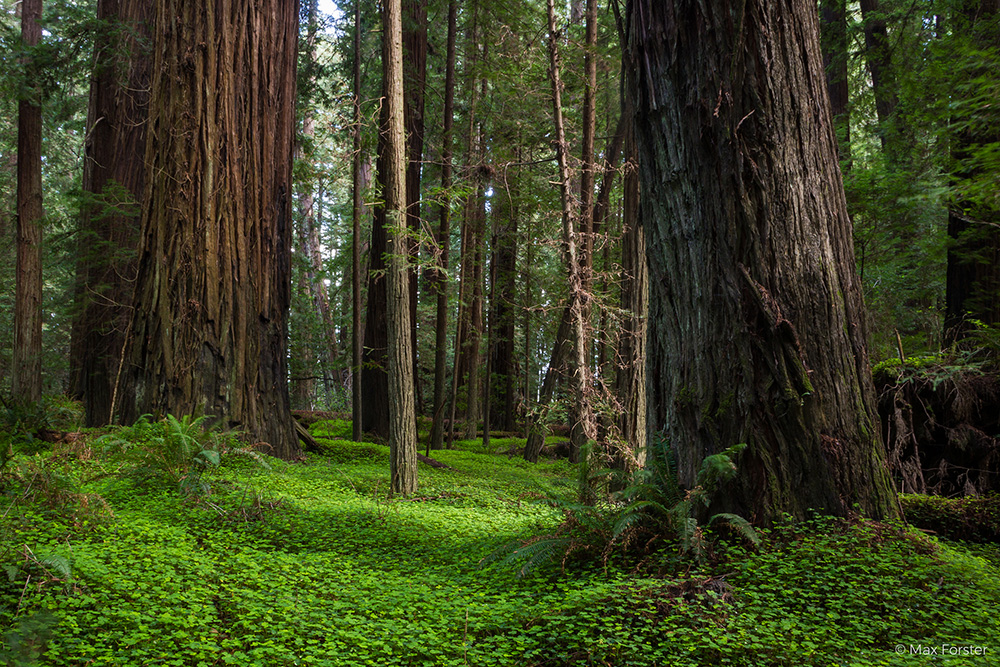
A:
[176,451]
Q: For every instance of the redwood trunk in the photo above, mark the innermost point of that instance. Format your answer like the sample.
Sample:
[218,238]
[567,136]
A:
[213,290]
[444,238]
[114,175]
[26,381]
[414,77]
[357,339]
[756,323]
[402,416]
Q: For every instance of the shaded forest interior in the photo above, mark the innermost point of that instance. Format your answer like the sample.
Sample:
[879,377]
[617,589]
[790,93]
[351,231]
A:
[428,332]
[519,223]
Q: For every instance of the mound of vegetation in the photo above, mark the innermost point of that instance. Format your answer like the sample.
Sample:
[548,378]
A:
[941,419]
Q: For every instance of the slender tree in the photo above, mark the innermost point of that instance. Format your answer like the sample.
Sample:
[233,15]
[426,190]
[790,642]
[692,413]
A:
[833,24]
[26,381]
[414,81]
[444,236]
[402,417]
[583,426]
[631,377]
[756,322]
[213,288]
[878,52]
[571,251]
[357,339]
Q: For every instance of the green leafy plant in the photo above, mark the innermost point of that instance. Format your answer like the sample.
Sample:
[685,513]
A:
[658,508]
[177,451]
[649,515]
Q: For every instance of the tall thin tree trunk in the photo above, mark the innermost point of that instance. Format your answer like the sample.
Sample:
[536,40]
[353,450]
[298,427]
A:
[477,252]
[972,287]
[576,309]
[879,56]
[26,378]
[357,338]
[444,237]
[414,77]
[631,378]
[583,426]
[402,415]
[833,30]
[213,291]
[501,378]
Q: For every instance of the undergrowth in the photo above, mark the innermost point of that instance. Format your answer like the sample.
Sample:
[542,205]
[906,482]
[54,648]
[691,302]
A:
[314,564]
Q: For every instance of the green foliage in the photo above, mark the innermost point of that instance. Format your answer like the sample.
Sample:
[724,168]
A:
[974,519]
[25,644]
[348,451]
[656,506]
[648,518]
[311,564]
[21,421]
[176,451]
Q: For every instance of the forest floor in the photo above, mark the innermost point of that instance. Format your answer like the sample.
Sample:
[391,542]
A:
[108,561]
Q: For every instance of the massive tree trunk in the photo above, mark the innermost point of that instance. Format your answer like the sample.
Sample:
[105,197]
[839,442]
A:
[211,308]
[756,323]
[402,416]
[114,175]
[26,381]
[444,237]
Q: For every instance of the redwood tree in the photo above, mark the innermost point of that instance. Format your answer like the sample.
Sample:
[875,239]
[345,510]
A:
[27,370]
[756,322]
[213,289]
[114,176]
[402,416]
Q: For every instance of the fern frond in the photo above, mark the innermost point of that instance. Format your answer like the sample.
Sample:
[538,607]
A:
[740,525]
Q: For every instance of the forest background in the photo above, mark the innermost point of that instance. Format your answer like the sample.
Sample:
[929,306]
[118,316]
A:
[490,305]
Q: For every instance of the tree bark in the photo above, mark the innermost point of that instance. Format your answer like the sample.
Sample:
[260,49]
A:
[357,338]
[414,78]
[213,289]
[402,415]
[631,377]
[756,322]
[114,175]
[26,379]
[444,237]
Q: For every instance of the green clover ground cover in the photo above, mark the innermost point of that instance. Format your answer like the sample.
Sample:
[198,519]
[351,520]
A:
[312,564]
